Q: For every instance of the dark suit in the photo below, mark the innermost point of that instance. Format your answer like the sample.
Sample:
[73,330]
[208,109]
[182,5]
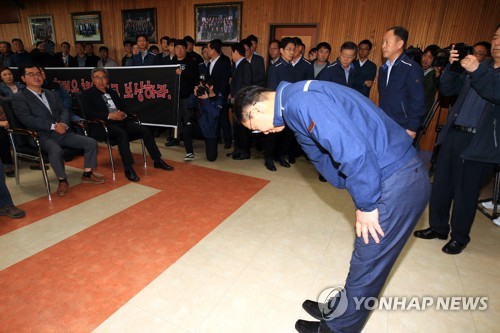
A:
[220,74]
[71,59]
[258,70]
[119,131]
[242,77]
[33,113]
[73,62]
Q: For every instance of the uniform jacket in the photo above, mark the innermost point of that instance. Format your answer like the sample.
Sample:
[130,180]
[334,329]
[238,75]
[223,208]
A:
[303,70]
[485,145]
[279,71]
[335,73]
[149,60]
[363,73]
[403,98]
[351,142]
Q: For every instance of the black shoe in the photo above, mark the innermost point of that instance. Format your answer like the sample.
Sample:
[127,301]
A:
[313,308]
[10,173]
[283,162]
[270,166]
[240,157]
[291,159]
[321,178]
[173,142]
[162,165]
[304,326]
[453,247]
[227,146]
[131,175]
[428,234]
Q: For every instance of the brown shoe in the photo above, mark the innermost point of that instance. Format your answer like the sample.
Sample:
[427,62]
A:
[62,189]
[93,179]
[12,212]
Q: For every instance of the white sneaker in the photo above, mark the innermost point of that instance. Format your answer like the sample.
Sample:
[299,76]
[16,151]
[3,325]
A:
[487,205]
[189,157]
[496,221]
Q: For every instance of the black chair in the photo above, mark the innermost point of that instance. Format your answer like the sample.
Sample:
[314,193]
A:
[98,130]
[26,145]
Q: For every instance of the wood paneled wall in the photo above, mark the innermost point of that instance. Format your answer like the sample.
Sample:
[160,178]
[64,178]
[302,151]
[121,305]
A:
[428,21]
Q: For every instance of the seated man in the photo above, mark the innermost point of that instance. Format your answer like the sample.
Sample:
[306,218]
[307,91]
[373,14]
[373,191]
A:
[104,103]
[41,110]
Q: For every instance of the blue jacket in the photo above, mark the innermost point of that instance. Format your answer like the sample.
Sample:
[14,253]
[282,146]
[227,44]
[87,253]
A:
[351,142]
[367,72]
[303,70]
[485,145]
[403,98]
[335,73]
[149,60]
[280,71]
[209,113]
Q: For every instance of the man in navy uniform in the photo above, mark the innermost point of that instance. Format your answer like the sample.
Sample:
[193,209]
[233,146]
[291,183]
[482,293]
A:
[355,146]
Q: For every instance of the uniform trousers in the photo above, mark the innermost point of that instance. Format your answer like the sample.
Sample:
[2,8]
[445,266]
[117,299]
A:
[403,199]
[459,181]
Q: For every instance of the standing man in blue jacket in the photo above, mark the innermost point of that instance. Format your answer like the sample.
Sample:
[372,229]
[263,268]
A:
[355,146]
[400,82]
[469,147]
[365,69]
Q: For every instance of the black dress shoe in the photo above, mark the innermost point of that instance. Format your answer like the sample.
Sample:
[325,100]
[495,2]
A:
[240,157]
[428,234]
[453,247]
[162,165]
[131,175]
[283,162]
[304,326]
[321,178]
[270,166]
[291,159]
[313,308]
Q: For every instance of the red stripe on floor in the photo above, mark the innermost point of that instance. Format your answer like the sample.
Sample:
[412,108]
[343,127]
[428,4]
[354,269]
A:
[76,284]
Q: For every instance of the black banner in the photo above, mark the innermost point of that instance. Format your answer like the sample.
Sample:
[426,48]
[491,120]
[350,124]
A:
[152,92]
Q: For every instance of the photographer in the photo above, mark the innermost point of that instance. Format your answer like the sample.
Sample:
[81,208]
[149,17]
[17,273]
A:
[469,148]
[431,75]
[204,123]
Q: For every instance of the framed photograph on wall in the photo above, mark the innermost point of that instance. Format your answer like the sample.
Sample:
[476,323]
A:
[87,27]
[139,22]
[218,21]
[41,28]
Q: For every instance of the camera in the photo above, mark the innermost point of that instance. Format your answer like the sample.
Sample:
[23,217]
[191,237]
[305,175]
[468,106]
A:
[463,50]
[202,90]
[203,80]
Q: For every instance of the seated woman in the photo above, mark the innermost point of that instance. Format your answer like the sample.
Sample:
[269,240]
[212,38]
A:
[7,88]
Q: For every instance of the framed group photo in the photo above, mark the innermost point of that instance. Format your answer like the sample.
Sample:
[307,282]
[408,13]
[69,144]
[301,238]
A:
[218,21]
[139,22]
[41,28]
[87,27]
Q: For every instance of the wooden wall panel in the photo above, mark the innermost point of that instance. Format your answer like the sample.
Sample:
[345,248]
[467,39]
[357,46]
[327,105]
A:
[428,21]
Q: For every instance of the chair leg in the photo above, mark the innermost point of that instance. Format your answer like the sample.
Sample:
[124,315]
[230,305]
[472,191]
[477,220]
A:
[110,151]
[44,173]
[144,153]
[496,191]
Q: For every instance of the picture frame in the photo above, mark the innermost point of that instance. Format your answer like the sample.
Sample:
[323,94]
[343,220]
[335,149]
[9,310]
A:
[218,21]
[87,27]
[41,28]
[140,21]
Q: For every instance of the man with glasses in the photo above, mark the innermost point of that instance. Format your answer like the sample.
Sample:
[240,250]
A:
[482,51]
[41,110]
[365,69]
[102,102]
[342,70]
[355,146]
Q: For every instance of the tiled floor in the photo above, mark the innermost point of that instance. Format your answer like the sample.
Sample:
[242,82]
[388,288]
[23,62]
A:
[289,241]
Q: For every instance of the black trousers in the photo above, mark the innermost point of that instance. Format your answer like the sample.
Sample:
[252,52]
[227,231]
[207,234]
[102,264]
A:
[192,131]
[225,125]
[5,154]
[277,144]
[123,131]
[458,181]
[241,136]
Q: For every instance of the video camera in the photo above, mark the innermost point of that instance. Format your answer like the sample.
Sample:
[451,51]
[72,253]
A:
[463,51]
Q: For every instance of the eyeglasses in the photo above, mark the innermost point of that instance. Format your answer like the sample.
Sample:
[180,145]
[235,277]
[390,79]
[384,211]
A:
[255,131]
[290,50]
[31,74]
[479,54]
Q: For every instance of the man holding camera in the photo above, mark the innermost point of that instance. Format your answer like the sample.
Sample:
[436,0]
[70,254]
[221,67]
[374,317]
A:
[206,122]
[469,146]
